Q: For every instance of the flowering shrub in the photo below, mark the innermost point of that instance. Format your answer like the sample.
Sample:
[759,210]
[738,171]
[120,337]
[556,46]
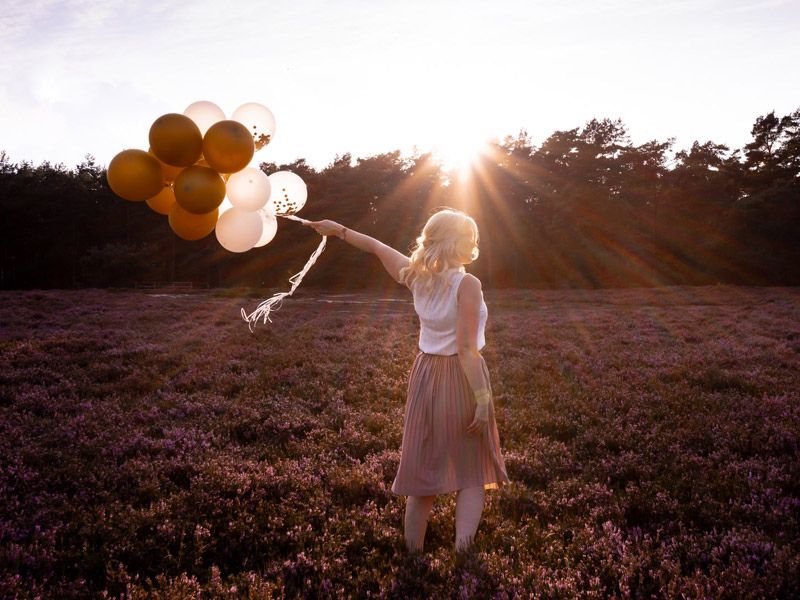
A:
[151,446]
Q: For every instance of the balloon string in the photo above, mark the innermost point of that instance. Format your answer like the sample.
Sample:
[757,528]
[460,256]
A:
[262,310]
[294,218]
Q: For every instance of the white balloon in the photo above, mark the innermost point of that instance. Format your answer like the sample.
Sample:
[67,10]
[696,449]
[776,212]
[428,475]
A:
[204,114]
[270,223]
[238,230]
[259,120]
[249,188]
[289,193]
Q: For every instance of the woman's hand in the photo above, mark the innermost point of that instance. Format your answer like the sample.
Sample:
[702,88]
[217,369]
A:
[325,227]
[481,421]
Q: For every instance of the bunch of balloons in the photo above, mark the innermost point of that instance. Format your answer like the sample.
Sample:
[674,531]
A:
[198,172]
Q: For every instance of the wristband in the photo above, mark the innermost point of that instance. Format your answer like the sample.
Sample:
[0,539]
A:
[483,396]
[344,233]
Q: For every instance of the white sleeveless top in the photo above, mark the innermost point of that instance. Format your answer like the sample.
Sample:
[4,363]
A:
[438,312]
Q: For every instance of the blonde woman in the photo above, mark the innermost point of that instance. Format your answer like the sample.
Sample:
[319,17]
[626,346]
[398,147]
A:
[450,438]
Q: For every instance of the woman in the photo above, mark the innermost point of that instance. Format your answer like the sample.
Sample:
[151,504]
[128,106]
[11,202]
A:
[450,438]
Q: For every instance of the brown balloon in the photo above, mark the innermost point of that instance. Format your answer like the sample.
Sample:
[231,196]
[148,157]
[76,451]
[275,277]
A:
[135,175]
[228,146]
[176,140]
[199,189]
[191,226]
[163,201]
[170,171]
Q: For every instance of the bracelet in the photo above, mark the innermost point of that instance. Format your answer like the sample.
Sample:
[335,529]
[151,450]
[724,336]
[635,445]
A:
[344,233]
[483,396]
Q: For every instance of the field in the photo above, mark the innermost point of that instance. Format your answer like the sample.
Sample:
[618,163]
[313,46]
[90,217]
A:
[150,444]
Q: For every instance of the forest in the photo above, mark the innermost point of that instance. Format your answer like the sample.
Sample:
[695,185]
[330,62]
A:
[584,209]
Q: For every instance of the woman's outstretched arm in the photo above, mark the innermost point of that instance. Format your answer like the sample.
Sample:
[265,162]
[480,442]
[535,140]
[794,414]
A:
[354,238]
[392,260]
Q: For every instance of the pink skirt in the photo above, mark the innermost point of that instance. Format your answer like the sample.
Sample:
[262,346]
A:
[438,455]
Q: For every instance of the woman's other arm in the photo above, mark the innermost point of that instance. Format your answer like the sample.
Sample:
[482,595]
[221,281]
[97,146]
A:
[391,259]
[469,302]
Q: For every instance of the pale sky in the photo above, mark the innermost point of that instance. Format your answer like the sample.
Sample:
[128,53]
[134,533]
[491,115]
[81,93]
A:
[371,76]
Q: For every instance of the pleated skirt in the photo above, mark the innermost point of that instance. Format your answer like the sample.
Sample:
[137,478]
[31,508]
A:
[438,455]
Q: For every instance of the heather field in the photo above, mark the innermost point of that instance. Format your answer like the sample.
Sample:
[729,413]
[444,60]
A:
[151,446]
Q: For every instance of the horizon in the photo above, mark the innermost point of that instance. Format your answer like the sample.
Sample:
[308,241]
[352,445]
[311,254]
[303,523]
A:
[407,154]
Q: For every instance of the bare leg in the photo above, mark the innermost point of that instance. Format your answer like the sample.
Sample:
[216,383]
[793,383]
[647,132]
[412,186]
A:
[469,506]
[418,508]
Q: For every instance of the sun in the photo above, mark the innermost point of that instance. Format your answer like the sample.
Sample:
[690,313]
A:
[458,154]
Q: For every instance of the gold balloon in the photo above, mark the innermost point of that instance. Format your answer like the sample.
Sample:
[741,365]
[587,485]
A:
[228,146]
[203,163]
[170,171]
[163,201]
[199,189]
[191,226]
[135,175]
[176,140]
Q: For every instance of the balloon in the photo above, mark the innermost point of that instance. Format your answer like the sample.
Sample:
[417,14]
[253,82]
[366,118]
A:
[238,230]
[204,114]
[170,172]
[204,163]
[191,226]
[259,120]
[199,189]
[248,189]
[135,175]
[163,201]
[270,227]
[289,193]
[228,146]
[176,140]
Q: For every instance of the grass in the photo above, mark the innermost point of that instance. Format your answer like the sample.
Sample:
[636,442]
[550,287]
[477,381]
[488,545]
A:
[151,446]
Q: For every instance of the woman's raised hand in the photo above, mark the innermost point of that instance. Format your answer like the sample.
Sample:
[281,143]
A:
[325,227]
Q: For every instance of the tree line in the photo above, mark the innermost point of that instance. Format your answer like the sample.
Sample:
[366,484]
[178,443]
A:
[585,208]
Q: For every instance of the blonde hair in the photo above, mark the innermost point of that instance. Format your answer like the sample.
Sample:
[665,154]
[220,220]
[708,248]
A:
[448,239]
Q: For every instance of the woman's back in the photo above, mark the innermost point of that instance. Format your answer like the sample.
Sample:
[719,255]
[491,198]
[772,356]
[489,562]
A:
[437,309]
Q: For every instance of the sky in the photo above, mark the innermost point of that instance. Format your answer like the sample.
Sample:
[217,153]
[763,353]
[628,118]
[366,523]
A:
[373,76]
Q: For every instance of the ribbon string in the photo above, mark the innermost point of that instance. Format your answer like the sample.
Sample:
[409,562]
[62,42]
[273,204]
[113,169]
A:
[262,310]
